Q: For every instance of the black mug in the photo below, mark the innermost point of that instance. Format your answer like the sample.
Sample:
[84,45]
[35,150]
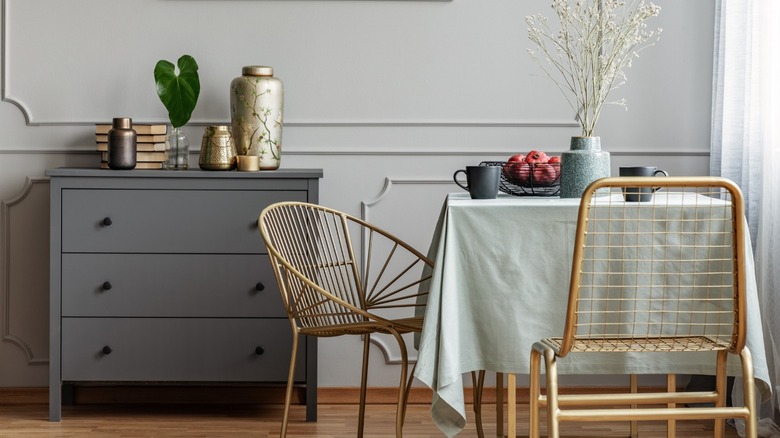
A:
[640,194]
[481,181]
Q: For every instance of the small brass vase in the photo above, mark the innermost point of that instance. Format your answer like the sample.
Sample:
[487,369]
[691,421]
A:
[217,150]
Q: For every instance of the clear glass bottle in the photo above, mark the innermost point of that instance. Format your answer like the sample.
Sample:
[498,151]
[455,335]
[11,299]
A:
[177,145]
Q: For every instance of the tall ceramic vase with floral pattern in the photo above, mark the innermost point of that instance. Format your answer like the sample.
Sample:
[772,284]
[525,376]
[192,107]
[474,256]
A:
[256,107]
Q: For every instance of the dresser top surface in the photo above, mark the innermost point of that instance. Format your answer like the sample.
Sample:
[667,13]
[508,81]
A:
[182,174]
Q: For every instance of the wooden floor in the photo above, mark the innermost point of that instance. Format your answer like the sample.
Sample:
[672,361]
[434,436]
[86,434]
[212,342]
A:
[263,421]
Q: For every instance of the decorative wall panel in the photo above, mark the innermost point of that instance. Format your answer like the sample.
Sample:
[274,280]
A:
[25,289]
[103,68]
[403,208]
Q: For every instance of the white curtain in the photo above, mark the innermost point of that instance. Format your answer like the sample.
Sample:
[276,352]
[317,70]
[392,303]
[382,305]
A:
[746,149]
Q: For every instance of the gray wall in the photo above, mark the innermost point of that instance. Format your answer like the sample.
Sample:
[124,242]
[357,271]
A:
[388,97]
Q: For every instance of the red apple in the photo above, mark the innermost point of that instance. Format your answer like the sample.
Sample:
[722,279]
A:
[555,159]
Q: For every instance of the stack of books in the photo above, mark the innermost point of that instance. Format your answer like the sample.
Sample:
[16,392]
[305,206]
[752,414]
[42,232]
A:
[150,145]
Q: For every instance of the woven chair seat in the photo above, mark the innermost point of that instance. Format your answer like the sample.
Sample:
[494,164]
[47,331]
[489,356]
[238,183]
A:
[401,326]
[626,345]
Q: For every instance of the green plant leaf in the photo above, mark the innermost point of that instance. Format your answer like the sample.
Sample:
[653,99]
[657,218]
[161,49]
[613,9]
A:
[179,93]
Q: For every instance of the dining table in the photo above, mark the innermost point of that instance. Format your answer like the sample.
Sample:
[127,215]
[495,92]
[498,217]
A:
[500,282]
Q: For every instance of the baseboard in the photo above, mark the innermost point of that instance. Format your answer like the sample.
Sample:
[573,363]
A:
[24,396]
[249,394]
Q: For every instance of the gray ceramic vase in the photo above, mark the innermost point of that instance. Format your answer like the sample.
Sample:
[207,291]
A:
[582,164]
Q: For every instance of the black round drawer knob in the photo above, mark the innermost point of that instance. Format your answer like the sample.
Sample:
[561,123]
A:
[107,221]
[107,285]
[106,349]
[259,350]
[259,286]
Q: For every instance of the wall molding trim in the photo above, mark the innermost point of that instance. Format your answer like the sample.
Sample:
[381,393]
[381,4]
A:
[4,62]
[380,152]
[386,346]
[29,117]
[431,124]
[5,287]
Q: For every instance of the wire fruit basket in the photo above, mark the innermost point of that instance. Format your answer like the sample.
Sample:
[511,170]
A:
[528,179]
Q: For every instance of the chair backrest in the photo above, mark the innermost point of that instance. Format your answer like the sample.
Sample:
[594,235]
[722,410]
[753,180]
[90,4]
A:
[662,275]
[323,281]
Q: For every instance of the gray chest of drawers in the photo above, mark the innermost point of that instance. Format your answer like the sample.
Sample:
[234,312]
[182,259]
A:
[161,276]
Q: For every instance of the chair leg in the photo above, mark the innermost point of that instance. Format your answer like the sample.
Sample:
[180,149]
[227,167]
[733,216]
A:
[720,388]
[634,384]
[748,390]
[363,382]
[671,386]
[402,393]
[290,381]
[477,383]
[551,366]
[408,390]
[511,404]
[534,392]
[499,404]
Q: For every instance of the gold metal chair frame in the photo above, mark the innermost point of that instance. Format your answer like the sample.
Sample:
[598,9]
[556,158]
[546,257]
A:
[624,253]
[328,290]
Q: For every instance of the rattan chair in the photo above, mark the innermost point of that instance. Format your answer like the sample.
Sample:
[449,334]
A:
[329,290]
[662,276]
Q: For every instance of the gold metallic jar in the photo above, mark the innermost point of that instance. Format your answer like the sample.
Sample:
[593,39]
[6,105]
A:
[217,150]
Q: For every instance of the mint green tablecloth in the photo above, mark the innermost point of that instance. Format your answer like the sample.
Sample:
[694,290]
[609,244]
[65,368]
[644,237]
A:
[500,282]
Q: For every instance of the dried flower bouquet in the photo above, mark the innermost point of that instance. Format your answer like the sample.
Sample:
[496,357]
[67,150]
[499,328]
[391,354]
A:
[586,58]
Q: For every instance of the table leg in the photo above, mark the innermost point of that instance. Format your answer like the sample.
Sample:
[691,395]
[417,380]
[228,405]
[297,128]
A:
[511,387]
[500,405]
[478,380]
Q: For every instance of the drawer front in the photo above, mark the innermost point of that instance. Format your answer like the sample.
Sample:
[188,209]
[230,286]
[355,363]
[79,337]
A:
[169,285]
[166,221]
[178,349]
